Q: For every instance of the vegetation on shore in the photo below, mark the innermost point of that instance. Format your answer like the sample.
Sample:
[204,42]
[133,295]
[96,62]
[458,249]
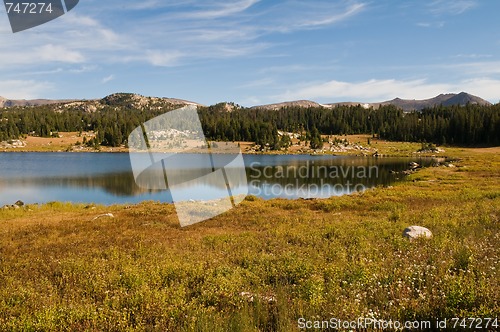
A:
[113,118]
[264,264]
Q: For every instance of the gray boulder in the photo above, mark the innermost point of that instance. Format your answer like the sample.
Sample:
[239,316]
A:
[415,232]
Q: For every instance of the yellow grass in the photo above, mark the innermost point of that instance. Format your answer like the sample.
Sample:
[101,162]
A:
[342,257]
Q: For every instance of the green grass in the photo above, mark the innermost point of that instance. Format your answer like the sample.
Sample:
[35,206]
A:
[342,257]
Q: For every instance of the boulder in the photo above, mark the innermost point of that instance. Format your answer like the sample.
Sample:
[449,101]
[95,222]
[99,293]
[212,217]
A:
[415,232]
[414,165]
[19,203]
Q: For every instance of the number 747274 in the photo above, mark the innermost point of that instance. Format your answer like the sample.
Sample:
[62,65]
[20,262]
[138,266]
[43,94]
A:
[28,7]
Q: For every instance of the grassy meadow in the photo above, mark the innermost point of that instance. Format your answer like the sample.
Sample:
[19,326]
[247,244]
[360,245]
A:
[263,265]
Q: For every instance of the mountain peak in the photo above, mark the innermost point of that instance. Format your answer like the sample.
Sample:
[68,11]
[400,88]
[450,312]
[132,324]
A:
[448,99]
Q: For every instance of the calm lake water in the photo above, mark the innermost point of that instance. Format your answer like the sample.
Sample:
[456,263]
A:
[107,178]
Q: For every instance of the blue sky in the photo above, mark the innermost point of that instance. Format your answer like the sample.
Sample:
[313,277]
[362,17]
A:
[256,52]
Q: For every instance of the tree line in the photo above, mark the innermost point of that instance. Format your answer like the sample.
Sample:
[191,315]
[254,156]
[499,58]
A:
[461,125]
[113,122]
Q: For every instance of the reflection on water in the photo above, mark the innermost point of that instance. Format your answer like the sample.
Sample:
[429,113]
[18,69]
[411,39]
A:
[107,178]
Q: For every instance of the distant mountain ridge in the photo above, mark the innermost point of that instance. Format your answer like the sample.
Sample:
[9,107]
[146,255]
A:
[407,105]
[4,102]
[138,101]
[449,99]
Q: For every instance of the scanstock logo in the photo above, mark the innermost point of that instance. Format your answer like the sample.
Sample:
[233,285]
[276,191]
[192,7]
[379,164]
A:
[25,15]
[203,178]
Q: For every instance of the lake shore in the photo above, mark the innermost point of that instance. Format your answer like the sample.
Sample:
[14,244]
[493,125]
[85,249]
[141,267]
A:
[264,263]
[357,145]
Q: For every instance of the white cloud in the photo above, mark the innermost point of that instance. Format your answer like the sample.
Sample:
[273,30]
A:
[431,25]
[473,56]
[108,79]
[380,90]
[85,32]
[154,57]
[264,82]
[58,53]
[251,101]
[486,88]
[475,68]
[162,58]
[40,55]
[83,69]
[81,20]
[24,89]
[43,72]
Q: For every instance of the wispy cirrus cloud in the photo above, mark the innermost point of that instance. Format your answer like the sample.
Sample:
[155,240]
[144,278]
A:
[179,33]
[221,9]
[348,12]
[220,29]
[453,7]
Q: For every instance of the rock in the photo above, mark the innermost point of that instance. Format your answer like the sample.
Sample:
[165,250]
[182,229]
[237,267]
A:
[415,232]
[413,164]
[109,215]
[17,205]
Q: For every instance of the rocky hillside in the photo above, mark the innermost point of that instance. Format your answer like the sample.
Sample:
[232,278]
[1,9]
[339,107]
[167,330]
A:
[128,100]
